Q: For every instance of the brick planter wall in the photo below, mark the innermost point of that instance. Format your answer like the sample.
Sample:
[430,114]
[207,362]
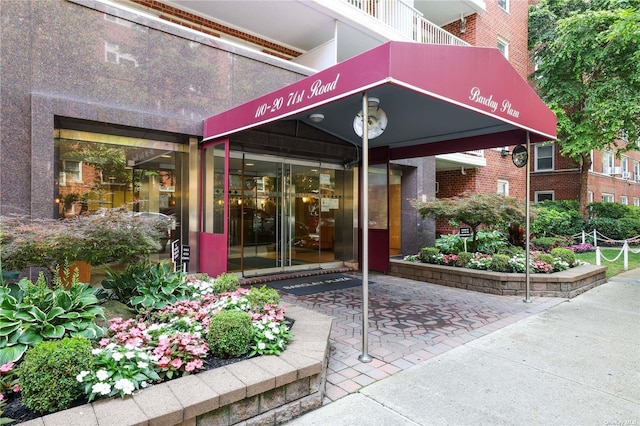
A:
[265,390]
[569,283]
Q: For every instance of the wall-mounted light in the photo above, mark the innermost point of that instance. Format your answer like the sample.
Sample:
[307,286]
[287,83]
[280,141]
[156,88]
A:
[463,24]
[505,152]
[316,118]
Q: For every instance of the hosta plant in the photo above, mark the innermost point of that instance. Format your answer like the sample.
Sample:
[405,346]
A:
[33,312]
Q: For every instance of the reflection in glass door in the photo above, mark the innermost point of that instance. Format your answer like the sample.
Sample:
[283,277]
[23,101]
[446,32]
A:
[281,215]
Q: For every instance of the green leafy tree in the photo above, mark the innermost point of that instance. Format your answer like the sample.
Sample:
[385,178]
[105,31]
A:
[490,210]
[588,71]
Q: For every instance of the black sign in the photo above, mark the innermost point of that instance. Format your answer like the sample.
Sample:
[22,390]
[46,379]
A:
[186,252]
[465,232]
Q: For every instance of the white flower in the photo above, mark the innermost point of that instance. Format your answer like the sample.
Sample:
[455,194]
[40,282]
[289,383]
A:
[110,346]
[96,351]
[125,385]
[269,335]
[261,345]
[102,375]
[101,388]
[260,326]
[117,356]
[80,377]
[275,330]
[144,384]
[143,355]
[130,354]
[142,364]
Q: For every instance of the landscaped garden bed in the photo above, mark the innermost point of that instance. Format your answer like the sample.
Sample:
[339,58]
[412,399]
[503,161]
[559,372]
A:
[568,283]
[58,359]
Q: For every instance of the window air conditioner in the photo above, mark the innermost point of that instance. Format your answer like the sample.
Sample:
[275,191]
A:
[616,170]
[626,175]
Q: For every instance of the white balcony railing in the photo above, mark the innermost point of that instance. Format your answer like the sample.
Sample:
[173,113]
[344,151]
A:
[407,21]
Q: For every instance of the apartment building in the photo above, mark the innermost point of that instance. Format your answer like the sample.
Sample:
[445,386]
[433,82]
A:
[231,117]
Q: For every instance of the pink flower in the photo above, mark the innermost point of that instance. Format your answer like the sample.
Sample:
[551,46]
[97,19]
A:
[176,363]
[163,362]
[193,365]
[16,388]
[6,367]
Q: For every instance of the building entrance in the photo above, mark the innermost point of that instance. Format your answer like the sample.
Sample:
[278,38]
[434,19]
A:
[282,214]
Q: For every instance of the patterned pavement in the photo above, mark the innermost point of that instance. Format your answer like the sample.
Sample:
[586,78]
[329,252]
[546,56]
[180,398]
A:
[409,322]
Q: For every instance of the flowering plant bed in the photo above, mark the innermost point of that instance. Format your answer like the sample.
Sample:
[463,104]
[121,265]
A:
[568,283]
[173,341]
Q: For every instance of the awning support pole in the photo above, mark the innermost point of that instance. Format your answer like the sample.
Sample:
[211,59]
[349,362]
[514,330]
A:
[527,298]
[364,188]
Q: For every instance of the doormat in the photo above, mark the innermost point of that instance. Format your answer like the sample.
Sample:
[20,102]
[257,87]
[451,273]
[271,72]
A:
[303,286]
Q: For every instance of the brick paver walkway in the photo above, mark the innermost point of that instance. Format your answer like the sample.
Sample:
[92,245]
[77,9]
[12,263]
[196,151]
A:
[409,322]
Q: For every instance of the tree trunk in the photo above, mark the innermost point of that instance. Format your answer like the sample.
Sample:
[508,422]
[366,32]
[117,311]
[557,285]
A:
[584,177]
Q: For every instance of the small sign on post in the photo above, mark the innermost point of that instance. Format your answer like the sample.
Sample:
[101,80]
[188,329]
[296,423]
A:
[465,232]
[184,255]
[175,253]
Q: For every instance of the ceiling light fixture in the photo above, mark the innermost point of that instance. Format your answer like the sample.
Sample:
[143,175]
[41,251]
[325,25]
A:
[316,118]
[377,120]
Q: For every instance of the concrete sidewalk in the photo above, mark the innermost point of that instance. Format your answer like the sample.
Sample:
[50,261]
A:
[576,363]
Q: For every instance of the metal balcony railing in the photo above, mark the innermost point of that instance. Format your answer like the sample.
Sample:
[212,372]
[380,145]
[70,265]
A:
[407,21]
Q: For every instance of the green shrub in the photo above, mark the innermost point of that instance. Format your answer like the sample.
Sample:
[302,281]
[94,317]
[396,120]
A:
[609,210]
[511,251]
[230,334]
[564,254]
[500,263]
[550,221]
[610,228]
[226,283]
[258,297]
[463,259]
[428,254]
[47,375]
[548,243]
[546,258]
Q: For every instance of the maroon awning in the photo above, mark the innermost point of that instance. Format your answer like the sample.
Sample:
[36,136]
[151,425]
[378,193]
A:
[432,95]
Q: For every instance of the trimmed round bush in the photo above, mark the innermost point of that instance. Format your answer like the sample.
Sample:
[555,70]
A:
[547,258]
[47,374]
[500,263]
[225,283]
[230,334]
[463,259]
[565,255]
[428,254]
[258,297]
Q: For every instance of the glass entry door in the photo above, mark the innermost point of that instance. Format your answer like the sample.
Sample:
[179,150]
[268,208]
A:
[277,218]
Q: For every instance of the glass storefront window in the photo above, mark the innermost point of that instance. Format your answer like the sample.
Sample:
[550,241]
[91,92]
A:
[378,198]
[98,171]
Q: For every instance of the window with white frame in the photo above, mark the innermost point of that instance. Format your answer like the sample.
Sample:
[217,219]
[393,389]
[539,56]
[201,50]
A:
[71,171]
[544,157]
[624,167]
[624,200]
[636,171]
[607,198]
[112,54]
[636,201]
[504,5]
[591,166]
[503,187]
[541,196]
[607,162]
[503,47]
[590,195]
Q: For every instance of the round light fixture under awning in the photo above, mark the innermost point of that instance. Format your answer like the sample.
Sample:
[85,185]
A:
[377,120]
